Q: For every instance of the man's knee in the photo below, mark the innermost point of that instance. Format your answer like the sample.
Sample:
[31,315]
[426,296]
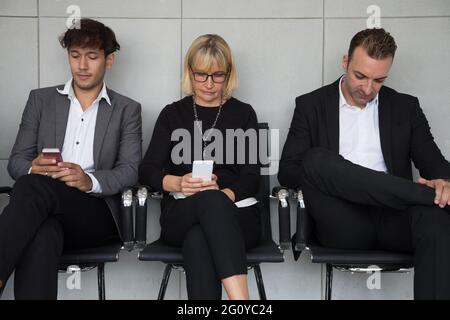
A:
[30,182]
[430,221]
[36,189]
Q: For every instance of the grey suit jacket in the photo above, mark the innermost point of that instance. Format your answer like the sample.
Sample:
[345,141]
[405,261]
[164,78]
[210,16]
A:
[117,140]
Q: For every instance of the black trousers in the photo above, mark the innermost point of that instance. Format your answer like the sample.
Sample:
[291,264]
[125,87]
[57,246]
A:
[43,218]
[214,235]
[358,208]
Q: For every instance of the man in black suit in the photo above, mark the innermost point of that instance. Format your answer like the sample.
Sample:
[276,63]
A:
[350,147]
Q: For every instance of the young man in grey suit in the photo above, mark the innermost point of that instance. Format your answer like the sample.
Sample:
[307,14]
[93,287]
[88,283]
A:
[75,203]
[350,147]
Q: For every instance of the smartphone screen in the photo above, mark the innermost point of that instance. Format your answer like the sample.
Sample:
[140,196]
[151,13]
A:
[52,153]
[202,169]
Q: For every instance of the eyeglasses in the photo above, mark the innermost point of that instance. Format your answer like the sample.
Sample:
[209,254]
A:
[217,77]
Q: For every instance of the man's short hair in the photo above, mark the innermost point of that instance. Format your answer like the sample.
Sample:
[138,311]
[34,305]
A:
[90,34]
[377,42]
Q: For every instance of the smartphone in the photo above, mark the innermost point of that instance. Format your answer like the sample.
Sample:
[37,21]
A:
[202,169]
[52,153]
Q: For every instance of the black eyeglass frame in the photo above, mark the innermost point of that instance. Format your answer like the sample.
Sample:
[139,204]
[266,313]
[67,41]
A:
[194,73]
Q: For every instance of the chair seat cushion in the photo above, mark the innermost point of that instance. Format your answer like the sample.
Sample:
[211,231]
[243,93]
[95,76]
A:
[265,252]
[103,254]
[160,251]
[360,258]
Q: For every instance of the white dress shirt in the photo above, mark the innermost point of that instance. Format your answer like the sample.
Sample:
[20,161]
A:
[78,144]
[359,133]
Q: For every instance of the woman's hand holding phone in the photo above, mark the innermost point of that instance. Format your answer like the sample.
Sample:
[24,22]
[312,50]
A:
[190,185]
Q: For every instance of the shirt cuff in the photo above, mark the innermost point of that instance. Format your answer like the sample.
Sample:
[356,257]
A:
[29,171]
[96,187]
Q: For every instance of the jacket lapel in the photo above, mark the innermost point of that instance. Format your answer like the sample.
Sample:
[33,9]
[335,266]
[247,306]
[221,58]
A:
[62,105]
[384,121]
[332,115]
[103,117]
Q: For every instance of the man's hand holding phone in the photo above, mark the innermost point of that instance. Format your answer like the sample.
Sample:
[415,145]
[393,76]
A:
[74,176]
[47,162]
[50,163]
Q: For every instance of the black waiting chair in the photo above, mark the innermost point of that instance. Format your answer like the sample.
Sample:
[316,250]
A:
[341,259]
[97,257]
[266,252]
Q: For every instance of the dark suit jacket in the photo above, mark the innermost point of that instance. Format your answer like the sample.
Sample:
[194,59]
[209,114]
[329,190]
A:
[404,133]
[117,140]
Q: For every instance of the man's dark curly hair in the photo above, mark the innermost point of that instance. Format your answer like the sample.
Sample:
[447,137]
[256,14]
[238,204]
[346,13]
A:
[91,34]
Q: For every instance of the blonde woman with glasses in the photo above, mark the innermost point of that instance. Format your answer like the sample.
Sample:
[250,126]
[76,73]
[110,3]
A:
[214,222]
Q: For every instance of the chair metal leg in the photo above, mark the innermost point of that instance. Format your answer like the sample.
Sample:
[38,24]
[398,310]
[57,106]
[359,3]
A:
[259,282]
[101,281]
[329,281]
[165,281]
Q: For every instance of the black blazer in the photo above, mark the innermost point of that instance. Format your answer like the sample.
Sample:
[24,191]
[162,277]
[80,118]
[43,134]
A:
[404,133]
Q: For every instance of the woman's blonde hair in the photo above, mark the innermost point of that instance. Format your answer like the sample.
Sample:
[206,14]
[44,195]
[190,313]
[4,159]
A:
[203,52]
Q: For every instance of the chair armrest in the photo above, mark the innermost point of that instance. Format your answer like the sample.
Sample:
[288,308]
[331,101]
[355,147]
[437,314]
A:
[127,219]
[156,195]
[5,190]
[142,195]
[300,240]
[141,216]
[284,216]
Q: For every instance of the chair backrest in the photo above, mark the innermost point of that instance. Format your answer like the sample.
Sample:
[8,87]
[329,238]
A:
[264,192]
[309,229]
[305,226]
